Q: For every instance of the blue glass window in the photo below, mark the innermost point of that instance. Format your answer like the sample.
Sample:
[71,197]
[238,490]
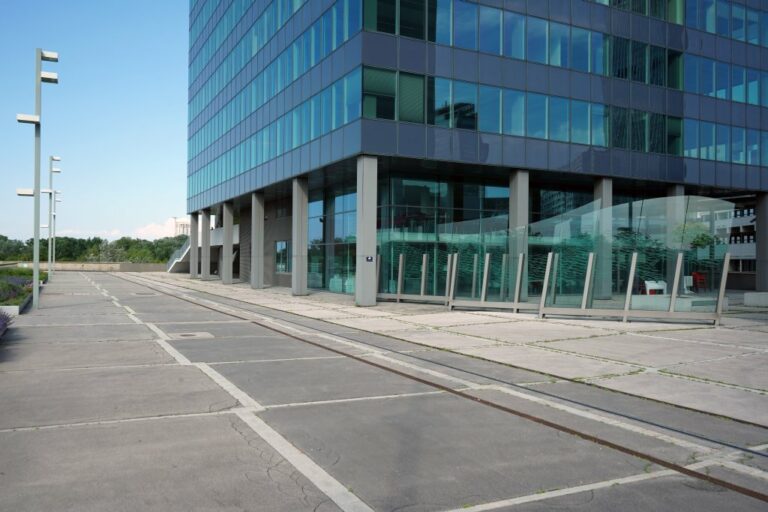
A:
[536,115]
[580,122]
[465,25]
[753,26]
[559,119]
[691,73]
[691,138]
[753,86]
[707,141]
[620,57]
[753,147]
[600,124]
[619,127]
[738,92]
[738,22]
[439,18]
[412,18]
[723,18]
[723,140]
[411,98]
[708,19]
[722,80]
[439,102]
[692,14]
[639,131]
[559,44]
[707,77]
[465,105]
[489,109]
[764,89]
[600,56]
[514,35]
[738,155]
[490,30]
[537,40]
[639,61]
[514,112]
[580,49]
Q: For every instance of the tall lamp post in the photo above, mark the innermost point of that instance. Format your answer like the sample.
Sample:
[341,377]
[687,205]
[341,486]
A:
[50,78]
[55,193]
[51,207]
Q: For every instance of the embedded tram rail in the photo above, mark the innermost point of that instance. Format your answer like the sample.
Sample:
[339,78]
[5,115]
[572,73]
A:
[425,374]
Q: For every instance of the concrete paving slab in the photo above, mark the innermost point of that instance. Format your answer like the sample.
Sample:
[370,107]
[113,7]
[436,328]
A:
[285,382]
[443,339]
[749,371]
[644,350]
[441,452]
[219,329]
[70,319]
[247,349]
[714,427]
[743,405]
[369,312]
[327,313]
[75,396]
[552,363]
[17,356]
[739,478]
[678,493]
[451,318]
[79,333]
[183,316]
[722,336]
[374,324]
[631,326]
[151,466]
[527,331]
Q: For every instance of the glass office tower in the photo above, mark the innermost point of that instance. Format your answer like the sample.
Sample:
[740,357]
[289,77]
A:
[334,137]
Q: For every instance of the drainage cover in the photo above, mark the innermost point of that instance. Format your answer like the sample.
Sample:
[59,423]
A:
[189,335]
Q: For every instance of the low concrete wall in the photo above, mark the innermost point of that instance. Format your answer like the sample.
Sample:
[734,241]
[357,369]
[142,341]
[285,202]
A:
[101,267]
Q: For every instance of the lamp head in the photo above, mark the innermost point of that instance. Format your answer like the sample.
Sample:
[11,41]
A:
[56,158]
[56,170]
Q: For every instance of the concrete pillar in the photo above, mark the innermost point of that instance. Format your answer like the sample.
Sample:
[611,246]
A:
[193,245]
[603,287]
[519,206]
[299,236]
[675,219]
[205,244]
[761,239]
[365,264]
[227,246]
[257,240]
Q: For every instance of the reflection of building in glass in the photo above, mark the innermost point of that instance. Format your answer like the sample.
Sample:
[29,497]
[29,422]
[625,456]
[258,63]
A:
[361,130]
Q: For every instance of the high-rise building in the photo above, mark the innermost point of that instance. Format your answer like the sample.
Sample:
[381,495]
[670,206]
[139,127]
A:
[330,137]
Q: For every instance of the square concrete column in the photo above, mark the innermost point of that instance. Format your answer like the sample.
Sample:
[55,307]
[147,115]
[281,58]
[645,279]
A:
[761,242]
[205,244]
[365,259]
[603,287]
[227,246]
[299,236]
[193,245]
[519,206]
[257,240]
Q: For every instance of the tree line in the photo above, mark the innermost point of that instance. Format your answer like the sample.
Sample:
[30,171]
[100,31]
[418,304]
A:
[126,249]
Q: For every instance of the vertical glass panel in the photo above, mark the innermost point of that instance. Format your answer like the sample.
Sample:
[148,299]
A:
[580,49]
[674,69]
[599,61]
[723,18]
[639,61]
[658,9]
[738,22]
[738,155]
[764,89]
[439,18]
[753,86]
[640,6]
[559,119]
[489,110]
[536,114]
[620,57]
[378,93]
[537,40]
[656,133]
[691,74]
[439,102]
[412,18]
[600,124]
[753,147]
[764,28]
[580,122]
[465,24]
[465,105]
[514,35]
[738,92]
[559,36]
[753,26]
[621,4]
[764,147]
[352,91]
[639,131]
[411,98]
[514,112]
[490,30]
[722,80]
[692,14]
[658,66]
[619,128]
[706,77]
[691,138]
[707,141]
[674,136]
[675,11]
[379,15]
[723,139]
[708,19]
[354,17]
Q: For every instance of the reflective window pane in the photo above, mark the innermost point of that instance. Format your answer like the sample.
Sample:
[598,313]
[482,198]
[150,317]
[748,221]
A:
[490,30]
[706,77]
[674,136]
[439,102]
[620,57]
[723,26]
[722,80]
[537,40]
[559,119]
[559,37]
[639,131]
[580,49]
[412,18]
[658,66]
[465,105]
[536,115]
[656,133]
[738,92]
[465,24]
[439,19]
[753,87]
[489,110]
[639,61]
[619,128]
[691,138]
[738,22]
[600,124]
[514,112]
[738,155]
[411,98]
[723,140]
[599,53]
[580,122]
[378,94]
[514,35]
[379,15]
[707,141]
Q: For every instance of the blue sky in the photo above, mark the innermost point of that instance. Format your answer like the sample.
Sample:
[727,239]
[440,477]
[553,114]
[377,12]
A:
[117,118]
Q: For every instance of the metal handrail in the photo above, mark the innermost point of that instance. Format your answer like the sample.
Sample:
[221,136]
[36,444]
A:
[177,255]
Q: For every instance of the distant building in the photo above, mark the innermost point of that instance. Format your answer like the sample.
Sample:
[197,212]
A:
[180,226]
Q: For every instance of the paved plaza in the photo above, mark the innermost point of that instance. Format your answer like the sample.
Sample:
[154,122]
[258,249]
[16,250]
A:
[156,392]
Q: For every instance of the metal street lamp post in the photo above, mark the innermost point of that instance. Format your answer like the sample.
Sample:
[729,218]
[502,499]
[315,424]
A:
[55,193]
[51,170]
[40,77]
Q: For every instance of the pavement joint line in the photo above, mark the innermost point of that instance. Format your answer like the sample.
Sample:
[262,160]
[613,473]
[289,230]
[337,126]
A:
[520,500]
[353,400]
[71,325]
[283,360]
[79,368]
[693,378]
[744,469]
[119,421]
[565,408]
[236,393]
[711,360]
[338,493]
[698,342]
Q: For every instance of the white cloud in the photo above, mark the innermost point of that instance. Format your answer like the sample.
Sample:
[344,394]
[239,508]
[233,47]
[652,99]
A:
[153,230]
[110,234]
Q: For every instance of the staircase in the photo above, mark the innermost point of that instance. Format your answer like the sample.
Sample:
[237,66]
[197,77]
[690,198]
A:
[179,256]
